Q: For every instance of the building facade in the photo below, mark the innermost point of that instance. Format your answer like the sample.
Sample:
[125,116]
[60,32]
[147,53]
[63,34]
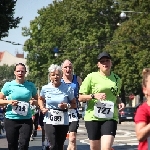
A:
[9,59]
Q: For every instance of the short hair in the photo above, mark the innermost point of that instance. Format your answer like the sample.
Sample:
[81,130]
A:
[65,61]
[145,74]
[54,67]
[21,64]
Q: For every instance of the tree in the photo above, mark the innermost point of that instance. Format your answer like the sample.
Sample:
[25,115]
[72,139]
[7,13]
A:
[6,74]
[78,28]
[7,17]
[130,46]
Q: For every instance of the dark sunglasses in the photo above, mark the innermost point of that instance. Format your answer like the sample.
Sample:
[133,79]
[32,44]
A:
[103,61]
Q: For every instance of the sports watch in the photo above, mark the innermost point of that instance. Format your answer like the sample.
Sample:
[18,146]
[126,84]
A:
[68,106]
[92,95]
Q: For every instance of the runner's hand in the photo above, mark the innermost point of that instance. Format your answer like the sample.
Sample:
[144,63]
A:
[33,101]
[13,102]
[121,106]
[44,110]
[62,105]
[100,96]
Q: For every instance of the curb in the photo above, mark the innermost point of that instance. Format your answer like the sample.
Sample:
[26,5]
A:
[127,123]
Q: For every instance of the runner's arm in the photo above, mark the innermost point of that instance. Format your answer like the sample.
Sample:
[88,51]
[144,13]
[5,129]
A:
[41,101]
[142,131]
[3,100]
[119,101]
[73,103]
[79,80]
[34,100]
[84,98]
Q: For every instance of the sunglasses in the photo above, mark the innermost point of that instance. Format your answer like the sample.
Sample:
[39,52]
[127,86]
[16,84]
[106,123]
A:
[104,61]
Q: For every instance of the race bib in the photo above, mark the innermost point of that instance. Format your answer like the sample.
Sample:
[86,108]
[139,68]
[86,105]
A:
[104,109]
[72,115]
[55,117]
[21,108]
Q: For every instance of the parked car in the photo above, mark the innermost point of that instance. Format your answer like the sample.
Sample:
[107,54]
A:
[127,114]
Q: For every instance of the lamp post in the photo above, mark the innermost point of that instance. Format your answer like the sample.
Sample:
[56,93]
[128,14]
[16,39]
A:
[123,14]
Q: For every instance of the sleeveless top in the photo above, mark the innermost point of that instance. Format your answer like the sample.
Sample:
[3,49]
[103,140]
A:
[75,86]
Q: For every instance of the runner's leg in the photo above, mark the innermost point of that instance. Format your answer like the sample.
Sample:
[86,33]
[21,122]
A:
[12,133]
[73,126]
[108,132]
[94,134]
[25,133]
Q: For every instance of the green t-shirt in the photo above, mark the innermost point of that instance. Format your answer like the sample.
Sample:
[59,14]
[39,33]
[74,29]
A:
[97,83]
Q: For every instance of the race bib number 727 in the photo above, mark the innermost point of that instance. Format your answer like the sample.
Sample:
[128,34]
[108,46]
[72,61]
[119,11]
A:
[104,109]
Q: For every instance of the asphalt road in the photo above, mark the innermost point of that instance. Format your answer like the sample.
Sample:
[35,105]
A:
[125,139]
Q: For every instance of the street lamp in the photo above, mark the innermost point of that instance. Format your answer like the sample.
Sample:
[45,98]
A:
[56,51]
[123,14]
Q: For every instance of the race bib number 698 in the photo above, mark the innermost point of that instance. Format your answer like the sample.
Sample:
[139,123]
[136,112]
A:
[104,109]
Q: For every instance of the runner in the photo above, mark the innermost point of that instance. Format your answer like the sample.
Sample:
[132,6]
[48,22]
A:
[59,97]
[18,122]
[45,141]
[35,119]
[74,81]
[1,120]
[100,90]
[142,116]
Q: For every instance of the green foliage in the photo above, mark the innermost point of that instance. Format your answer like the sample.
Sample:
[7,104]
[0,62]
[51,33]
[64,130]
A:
[130,47]
[6,74]
[82,29]
[79,28]
[7,20]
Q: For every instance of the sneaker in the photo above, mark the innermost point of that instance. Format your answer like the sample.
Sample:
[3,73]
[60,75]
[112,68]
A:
[43,147]
[31,138]
[47,148]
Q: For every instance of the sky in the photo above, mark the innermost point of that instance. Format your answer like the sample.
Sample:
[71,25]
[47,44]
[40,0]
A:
[28,10]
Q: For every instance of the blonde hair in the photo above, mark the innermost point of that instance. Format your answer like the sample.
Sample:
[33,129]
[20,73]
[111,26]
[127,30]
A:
[145,74]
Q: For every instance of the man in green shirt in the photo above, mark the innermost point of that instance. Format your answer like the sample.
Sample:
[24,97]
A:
[100,90]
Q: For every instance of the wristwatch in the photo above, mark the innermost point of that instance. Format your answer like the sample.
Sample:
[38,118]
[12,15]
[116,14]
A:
[92,95]
[68,106]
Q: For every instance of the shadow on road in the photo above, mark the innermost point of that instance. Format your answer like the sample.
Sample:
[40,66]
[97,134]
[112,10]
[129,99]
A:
[125,147]
[80,147]
[34,148]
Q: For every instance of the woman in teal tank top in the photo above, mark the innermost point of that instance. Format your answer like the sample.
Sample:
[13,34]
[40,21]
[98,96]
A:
[18,116]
